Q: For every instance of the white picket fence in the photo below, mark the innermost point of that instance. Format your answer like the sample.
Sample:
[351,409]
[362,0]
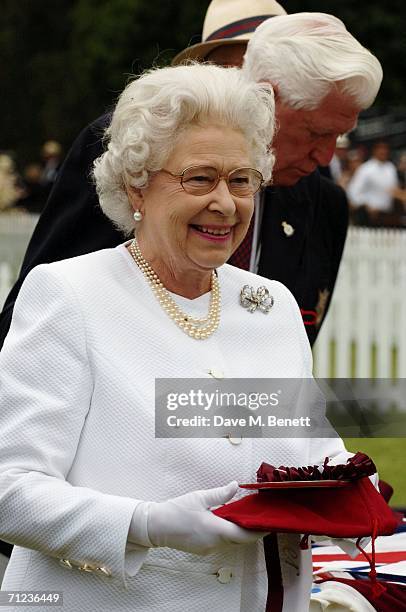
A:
[15,231]
[364,334]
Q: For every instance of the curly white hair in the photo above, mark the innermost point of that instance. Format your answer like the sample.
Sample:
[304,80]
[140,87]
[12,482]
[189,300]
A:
[156,108]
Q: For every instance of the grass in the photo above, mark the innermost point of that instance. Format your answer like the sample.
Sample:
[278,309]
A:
[389,457]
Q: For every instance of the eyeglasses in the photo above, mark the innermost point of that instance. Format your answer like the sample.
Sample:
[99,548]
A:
[200,180]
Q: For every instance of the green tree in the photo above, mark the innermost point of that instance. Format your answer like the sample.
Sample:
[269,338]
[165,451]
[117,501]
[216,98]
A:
[33,40]
[65,61]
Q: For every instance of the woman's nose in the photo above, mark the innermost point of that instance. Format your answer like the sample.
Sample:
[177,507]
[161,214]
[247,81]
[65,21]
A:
[222,199]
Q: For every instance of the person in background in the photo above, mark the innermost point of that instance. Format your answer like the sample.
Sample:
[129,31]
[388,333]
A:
[353,161]
[400,192]
[51,154]
[372,187]
[298,235]
[338,163]
[33,194]
[401,170]
[9,188]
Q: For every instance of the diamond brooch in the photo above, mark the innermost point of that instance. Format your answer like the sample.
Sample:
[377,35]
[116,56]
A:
[251,299]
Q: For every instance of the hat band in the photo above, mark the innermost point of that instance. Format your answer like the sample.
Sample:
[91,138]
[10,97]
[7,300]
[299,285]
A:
[243,26]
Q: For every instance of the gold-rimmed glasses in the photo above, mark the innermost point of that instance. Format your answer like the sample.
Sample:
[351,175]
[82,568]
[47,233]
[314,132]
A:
[200,180]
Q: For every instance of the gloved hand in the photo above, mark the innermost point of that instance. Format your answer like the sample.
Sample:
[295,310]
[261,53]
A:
[186,523]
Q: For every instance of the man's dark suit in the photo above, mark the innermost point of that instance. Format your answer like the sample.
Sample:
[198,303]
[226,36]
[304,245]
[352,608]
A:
[306,262]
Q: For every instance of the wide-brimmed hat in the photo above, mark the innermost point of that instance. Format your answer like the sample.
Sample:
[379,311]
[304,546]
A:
[228,22]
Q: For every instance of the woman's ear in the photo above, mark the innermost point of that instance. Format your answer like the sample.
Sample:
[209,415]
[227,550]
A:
[135,197]
[275,91]
[274,87]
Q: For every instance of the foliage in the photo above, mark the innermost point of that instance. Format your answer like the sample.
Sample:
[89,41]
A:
[65,61]
[389,457]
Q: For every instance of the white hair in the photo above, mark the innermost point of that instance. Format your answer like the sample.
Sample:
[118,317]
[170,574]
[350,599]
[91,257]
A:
[156,108]
[306,55]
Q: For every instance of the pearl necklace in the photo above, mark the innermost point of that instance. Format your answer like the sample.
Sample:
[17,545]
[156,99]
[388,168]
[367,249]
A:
[200,329]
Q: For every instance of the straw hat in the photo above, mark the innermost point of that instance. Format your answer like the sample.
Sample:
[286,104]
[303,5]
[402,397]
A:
[228,22]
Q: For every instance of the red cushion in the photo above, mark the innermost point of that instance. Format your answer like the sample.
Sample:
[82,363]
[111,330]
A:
[353,511]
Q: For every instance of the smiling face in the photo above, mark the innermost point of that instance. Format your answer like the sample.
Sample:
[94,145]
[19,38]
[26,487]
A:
[184,236]
[306,139]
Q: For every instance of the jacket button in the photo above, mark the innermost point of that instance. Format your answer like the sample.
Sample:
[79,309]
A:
[86,567]
[233,440]
[103,571]
[216,373]
[224,575]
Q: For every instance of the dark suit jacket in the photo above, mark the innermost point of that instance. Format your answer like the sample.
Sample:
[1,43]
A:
[307,262]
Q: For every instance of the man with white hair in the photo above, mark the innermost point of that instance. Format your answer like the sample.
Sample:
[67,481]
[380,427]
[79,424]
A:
[322,78]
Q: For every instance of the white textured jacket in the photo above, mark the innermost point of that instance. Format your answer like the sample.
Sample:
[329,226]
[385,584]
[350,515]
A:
[77,445]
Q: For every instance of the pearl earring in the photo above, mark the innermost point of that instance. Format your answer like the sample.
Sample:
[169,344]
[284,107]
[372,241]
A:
[137,216]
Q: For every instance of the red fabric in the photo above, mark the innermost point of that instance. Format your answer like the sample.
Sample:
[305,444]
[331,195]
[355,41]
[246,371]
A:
[242,256]
[387,556]
[352,511]
[386,490]
[357,466]
[391,599]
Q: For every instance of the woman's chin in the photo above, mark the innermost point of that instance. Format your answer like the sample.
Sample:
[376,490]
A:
[213,261]
[211,257]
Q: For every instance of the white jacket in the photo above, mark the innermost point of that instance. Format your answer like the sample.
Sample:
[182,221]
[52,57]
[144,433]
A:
[372,185]
[77,445]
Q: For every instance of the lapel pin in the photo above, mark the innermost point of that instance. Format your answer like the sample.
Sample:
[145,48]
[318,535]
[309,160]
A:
[288,229]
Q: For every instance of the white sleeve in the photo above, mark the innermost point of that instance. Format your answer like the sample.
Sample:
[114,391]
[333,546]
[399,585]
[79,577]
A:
[356,187]
[45,393]
[304,344]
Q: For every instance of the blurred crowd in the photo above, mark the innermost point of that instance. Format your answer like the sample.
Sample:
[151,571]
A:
[375,185]
[28,190]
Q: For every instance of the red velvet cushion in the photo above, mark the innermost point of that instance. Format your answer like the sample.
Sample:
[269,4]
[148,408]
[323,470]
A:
[353,511]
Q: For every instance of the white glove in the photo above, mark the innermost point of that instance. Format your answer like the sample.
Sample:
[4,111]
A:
[186,523]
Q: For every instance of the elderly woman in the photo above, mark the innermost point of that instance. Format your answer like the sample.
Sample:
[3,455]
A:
[97,507]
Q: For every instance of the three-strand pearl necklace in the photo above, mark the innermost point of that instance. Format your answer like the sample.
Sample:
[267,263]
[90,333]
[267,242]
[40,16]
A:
[198,328]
